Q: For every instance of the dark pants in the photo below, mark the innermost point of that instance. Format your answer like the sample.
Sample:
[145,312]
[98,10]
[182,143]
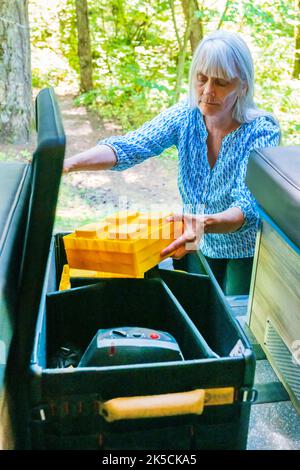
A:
[233,275]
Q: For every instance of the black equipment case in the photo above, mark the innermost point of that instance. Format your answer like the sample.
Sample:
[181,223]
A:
[201,402]
[273,176]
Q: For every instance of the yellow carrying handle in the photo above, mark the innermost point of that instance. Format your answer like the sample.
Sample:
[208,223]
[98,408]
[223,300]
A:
[170,404]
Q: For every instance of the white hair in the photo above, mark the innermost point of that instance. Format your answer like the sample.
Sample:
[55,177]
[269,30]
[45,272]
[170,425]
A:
[225,55]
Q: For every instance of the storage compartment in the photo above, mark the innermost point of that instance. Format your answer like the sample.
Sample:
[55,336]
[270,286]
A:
[201,298]
[76,315]
[200,402]
[198,294]
[67,404]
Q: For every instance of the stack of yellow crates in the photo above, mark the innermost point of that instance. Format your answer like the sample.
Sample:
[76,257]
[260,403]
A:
[125,244]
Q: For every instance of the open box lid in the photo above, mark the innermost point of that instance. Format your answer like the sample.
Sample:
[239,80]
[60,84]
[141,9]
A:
[273,177]
[46,170]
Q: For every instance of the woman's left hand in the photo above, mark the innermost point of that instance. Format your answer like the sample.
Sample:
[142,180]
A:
[191,233]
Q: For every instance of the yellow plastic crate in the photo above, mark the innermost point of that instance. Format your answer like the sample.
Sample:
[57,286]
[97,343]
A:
[127,243]
[65,278]
[67,273]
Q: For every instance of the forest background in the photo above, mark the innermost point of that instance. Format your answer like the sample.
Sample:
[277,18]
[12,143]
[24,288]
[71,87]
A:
[116,64]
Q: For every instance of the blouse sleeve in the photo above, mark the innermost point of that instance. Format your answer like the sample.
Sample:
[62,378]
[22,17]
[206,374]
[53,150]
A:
[149,140]
[266,134]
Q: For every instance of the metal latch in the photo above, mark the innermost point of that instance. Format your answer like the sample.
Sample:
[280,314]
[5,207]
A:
[248,394]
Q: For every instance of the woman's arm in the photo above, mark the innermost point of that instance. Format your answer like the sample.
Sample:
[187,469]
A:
[122,152]
[227,221]
[101,157]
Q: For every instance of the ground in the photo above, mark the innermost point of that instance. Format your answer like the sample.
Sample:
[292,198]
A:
[89,196]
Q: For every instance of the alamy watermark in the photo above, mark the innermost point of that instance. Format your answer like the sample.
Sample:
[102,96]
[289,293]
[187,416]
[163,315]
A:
[184,220]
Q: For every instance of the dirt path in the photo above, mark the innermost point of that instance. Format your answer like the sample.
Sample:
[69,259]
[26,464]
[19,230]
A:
[86,196]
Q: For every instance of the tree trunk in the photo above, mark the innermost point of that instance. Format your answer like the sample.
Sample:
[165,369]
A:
[181,62]
[190,7]
[296,68]
[15,72]
[84,46]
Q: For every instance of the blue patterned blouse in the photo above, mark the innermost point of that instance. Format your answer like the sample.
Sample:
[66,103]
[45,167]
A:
[218,188]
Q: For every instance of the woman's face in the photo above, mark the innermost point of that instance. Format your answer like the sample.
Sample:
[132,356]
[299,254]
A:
[216,96]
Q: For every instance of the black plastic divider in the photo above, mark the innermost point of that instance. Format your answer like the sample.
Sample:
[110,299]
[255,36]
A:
[197,295]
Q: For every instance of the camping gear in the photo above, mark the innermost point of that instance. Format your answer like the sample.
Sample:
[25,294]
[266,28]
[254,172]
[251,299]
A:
[273,176]
[199,402]
[130,345]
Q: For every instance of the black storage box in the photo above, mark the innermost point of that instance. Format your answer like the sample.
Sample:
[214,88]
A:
[75,408]
[66,404]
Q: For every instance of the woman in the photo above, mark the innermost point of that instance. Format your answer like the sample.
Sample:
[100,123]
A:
[214,133]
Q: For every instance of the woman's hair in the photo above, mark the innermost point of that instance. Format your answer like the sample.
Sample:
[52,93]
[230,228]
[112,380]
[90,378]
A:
[225,55]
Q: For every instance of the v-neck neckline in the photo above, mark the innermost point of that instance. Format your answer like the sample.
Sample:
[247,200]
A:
[225,138]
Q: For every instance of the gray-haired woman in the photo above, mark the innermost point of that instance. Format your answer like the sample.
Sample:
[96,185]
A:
[214,133]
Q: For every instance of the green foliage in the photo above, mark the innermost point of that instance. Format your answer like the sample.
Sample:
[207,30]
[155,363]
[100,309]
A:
[269,24]
[131,84]
[128,106]
[68,33]
[135,53]
[51,64]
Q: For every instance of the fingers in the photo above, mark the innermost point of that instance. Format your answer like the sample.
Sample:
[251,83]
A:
[169,249]
[180,217]
[190,222]
[175,218]
[66,167]
[180,242]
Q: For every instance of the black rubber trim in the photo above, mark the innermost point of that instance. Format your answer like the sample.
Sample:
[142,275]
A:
[13,209]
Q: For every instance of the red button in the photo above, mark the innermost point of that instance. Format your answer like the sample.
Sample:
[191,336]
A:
[154,336]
